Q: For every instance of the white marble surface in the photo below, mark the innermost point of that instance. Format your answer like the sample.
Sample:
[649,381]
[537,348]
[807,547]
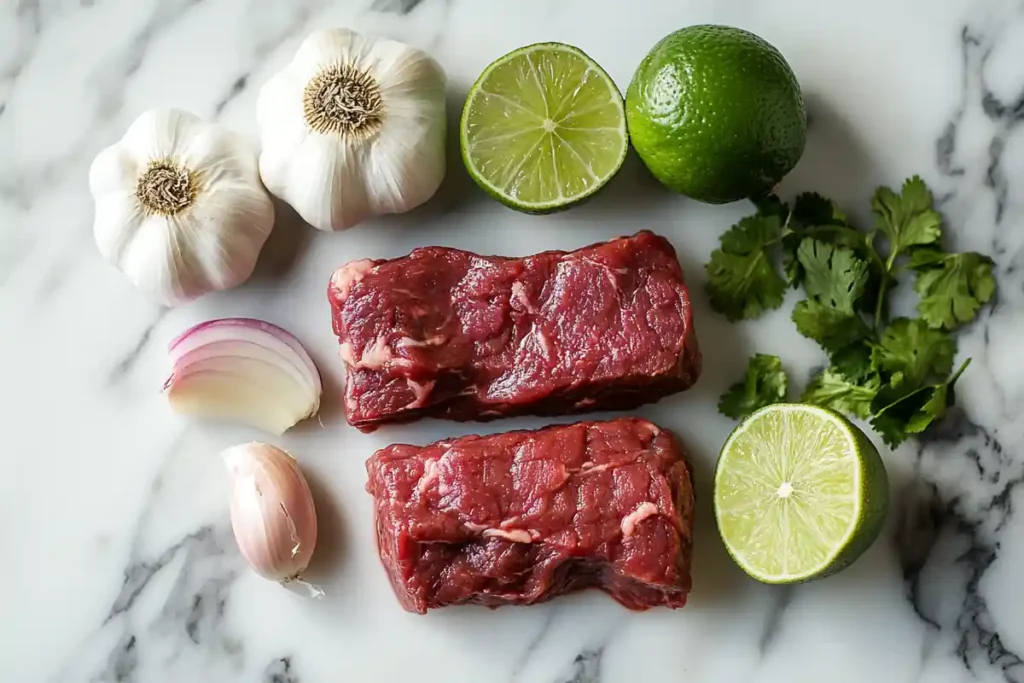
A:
[114,559]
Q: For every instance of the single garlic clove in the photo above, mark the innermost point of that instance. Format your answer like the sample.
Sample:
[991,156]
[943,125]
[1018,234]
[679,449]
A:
[246,370]
[272,513]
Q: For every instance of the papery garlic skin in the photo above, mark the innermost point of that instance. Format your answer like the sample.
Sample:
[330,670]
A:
[352,128]
[272,512]
[180,208]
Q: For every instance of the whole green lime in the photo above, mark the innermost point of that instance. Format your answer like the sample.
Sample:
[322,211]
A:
[716,113]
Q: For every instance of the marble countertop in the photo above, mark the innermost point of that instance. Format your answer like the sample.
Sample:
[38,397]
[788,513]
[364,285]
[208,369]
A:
[117,561]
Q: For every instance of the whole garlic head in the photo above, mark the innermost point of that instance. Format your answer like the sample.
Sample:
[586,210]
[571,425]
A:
[180,208]
[353,127]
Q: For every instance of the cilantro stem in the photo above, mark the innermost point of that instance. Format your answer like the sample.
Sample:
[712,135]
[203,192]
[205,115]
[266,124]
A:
[890,262]
[888,270]
[869,241]
[881,300]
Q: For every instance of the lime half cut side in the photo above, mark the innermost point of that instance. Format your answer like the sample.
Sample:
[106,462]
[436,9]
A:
[543,128]
[800,493]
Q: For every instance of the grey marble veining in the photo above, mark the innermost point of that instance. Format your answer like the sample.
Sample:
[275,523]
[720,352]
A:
[119,562]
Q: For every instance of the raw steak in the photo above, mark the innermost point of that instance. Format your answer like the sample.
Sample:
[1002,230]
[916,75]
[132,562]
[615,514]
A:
[451,334]
[521,517]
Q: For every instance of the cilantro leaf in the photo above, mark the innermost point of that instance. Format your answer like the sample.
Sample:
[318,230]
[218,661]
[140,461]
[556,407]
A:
[829,326]
[771,205]
[914,362]
[752,233]
[840,236]
[914,412]
[834,279]
[854,361]
[742,280]
[833,390]
[910,353]
[833,275]
[765,383]
[952,286]
[943,397]
[790,265]
[908,218]
[810,208]
[891,422]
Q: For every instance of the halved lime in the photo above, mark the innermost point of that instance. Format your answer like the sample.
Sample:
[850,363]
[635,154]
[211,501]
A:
[800,493]
[543,128]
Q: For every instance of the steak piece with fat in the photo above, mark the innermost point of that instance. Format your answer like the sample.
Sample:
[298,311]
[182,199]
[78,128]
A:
[524,516]
[451,334]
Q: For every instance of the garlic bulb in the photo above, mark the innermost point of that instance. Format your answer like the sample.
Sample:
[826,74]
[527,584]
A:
[272,512]
[353,127]
[180,208]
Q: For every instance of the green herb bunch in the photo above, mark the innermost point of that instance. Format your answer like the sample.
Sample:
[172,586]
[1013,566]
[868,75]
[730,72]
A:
[896,373]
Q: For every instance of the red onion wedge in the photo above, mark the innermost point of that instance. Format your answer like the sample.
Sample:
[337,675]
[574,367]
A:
[246,370]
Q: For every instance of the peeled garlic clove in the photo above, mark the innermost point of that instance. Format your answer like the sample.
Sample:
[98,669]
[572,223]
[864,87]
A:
[246,370]
[272,512]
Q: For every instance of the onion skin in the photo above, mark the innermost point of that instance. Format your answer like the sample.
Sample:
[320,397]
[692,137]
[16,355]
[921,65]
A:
[246,370]
[273,516]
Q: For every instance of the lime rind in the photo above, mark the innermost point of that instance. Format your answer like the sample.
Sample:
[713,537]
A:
[756,532]
[581,136]
[716,113]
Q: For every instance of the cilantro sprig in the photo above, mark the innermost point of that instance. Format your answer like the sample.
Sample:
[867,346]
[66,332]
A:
[743,279]
[897,374]
[765,383]
[952,286]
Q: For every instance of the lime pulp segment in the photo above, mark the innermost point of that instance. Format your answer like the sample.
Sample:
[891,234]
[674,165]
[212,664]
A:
[793,500]
[543,127]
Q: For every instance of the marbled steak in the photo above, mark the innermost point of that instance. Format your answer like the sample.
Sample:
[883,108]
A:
[521,517]
[451,334]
